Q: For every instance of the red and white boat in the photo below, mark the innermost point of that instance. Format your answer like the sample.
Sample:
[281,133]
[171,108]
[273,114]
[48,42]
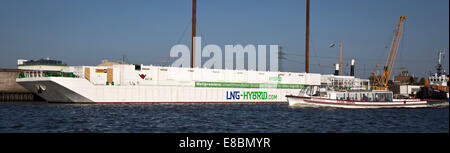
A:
[351,99]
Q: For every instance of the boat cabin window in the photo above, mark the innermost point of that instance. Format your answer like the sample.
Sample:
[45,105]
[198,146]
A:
[362,96]
[383,96]
[379,97]
[352,96]
[366,97]
[389,97]
[314,91]
[340,96]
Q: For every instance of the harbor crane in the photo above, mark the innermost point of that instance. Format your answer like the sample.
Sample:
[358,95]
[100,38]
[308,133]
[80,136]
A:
[381,82]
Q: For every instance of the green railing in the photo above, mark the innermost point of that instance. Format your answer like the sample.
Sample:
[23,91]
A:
[53,74]
[248,85]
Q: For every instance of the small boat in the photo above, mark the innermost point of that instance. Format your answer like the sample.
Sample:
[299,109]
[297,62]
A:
[324,96]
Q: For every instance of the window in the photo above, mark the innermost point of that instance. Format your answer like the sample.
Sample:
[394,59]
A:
[137,67]
[388,97]
[380,97]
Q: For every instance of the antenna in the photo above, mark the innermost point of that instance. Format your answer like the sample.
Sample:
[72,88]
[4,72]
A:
[280,58]
[122,61]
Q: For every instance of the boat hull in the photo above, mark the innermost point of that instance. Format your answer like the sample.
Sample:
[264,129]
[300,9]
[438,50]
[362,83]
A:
[297,100]
[77,90]
[314,101]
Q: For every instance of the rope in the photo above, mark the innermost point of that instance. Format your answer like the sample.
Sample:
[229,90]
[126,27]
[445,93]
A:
[184,33]
[315,55]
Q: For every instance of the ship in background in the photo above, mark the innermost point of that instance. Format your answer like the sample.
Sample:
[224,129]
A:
[437,85]
[46,64]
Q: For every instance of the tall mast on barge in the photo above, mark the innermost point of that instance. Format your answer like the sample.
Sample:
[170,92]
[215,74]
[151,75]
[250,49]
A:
[307,38]
[194,20]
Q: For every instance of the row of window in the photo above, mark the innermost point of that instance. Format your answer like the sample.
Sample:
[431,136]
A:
[365,96]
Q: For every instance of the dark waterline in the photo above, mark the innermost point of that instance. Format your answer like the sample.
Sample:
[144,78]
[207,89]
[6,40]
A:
[211,118]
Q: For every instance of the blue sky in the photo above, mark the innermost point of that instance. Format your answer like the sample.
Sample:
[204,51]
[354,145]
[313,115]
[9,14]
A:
[83,32]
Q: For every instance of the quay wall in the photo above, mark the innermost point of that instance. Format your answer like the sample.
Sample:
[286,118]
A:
[10,90]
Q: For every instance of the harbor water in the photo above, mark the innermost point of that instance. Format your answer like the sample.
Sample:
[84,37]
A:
[41,117]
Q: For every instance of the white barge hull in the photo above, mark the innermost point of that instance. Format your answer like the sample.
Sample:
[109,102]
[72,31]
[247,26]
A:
[67,90]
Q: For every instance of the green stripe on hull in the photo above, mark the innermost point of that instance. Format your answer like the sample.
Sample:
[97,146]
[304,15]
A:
[247,85]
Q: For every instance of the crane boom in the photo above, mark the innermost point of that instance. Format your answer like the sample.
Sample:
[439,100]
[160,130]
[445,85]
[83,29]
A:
[393,49]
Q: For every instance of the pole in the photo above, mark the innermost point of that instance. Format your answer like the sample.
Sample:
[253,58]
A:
[280,58]
[307,38]
[194,20]
[352,68]
[340,57]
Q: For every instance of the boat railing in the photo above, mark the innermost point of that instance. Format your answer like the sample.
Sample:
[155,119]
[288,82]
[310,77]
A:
[36,74]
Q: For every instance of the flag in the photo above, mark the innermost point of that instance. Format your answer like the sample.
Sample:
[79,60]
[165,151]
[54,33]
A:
[331,45]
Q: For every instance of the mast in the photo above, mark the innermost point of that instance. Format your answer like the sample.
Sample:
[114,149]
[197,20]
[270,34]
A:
[307,38]
[340,57]
[439,66]
[194,20]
